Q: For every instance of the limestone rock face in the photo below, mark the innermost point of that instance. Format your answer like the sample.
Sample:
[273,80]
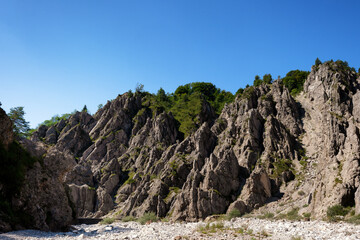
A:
[83,198]
[42,199]
[332,135]
[265,150]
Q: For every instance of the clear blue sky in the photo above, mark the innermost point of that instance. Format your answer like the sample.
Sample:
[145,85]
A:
[57,56]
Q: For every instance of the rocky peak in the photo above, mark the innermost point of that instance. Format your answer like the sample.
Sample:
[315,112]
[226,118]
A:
[116,115]
[6,132]
[332,84]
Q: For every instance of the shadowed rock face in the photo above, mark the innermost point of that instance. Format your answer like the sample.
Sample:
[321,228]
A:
[6,133]
[41,201]
[265,148]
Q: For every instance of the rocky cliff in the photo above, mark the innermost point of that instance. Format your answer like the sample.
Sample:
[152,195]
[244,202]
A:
[265,150]
[32,193]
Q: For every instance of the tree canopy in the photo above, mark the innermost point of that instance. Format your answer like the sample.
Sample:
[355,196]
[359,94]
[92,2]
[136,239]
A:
[21,126]
[267,78]
[187,101]
[294,81]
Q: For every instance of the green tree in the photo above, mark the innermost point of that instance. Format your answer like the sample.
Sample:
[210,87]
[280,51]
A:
[161,95]
[21,126]
[239,91]
[100,106]
[84,109]
[257,81]
[130,93]
[294,81]
[317,62]
[208,90]
[182,89]
[139,88]
[267,78]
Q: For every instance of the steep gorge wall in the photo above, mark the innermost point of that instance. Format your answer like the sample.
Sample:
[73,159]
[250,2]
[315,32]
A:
[266,149]
[135,160]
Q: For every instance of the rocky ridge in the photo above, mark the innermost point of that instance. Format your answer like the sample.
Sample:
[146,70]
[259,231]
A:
[265,150]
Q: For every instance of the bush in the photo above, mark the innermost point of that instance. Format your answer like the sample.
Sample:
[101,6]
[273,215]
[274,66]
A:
[280,166]
[233,214]
[335,212]
[55,119]
[293,214]
[107,221]
[147,217]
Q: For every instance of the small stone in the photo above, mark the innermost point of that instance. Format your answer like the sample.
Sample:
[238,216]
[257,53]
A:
[82,236]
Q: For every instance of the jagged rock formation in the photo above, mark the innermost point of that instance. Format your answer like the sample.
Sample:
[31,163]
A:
[265,148]
[41,201]
[330,100]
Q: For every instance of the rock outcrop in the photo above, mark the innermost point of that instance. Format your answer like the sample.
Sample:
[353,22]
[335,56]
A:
[34,196]
[265,148]
[6,133]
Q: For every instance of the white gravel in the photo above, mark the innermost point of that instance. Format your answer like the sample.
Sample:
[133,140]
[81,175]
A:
[240,228]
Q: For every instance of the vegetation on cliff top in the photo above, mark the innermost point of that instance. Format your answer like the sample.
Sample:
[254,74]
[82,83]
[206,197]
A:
[187,101]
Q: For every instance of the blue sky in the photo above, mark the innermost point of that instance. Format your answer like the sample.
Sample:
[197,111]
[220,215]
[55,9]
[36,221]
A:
[57,56]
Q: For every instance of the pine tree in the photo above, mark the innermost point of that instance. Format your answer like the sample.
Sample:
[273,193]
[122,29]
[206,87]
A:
[21,127]
[317,62]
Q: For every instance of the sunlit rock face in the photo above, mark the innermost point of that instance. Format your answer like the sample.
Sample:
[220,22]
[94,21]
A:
[267,149]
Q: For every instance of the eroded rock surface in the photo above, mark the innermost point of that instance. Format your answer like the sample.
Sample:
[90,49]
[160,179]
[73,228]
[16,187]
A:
[265,148]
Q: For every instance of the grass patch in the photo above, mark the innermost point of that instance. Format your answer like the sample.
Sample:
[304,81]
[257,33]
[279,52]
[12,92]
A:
[130,178]
[107,221]
[211,227]
[293,214]
[147,217]
[153,176]
[266,216]
[354,219]
[128,219]
[173,166]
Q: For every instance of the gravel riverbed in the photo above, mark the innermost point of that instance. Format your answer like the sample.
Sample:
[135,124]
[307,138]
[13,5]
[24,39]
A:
[239,228]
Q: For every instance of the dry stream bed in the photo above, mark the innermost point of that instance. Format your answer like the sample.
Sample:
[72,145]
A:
[237,228]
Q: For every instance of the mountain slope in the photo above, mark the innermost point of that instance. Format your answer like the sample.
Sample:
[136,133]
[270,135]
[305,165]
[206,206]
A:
[265,150]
